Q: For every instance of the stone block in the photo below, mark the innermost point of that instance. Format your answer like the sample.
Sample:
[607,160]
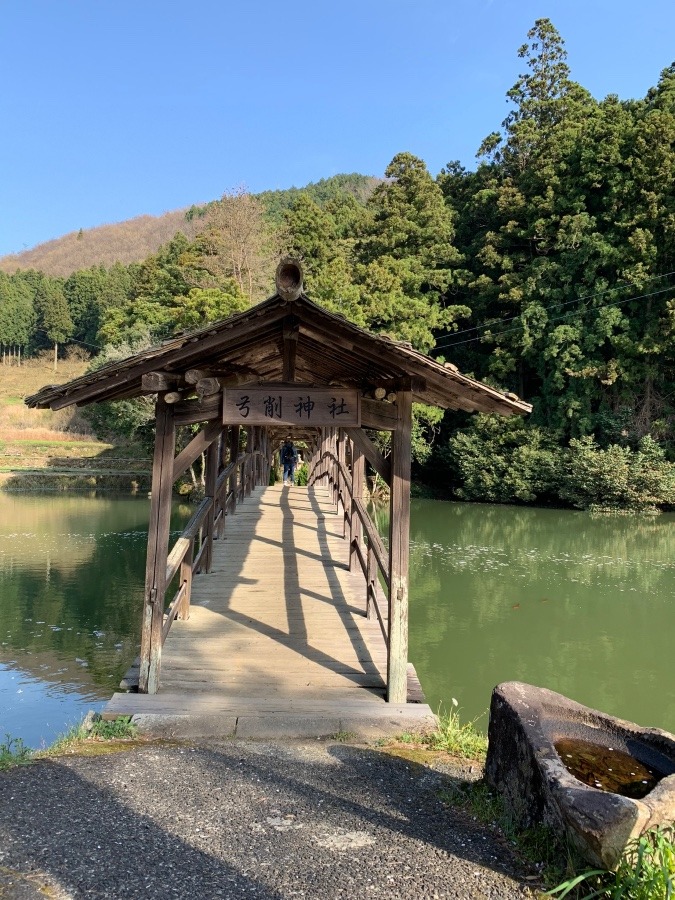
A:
[527,726]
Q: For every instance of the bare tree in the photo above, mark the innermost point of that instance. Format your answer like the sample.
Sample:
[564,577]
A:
[238,243]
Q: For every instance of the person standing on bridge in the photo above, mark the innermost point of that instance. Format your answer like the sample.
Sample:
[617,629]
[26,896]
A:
[289,459]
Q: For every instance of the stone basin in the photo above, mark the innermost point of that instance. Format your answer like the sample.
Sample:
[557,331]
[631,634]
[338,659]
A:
[527,723]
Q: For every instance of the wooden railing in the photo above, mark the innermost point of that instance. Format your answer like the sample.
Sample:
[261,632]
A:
[192,552]
[229,477]
[339,462]
[365,544]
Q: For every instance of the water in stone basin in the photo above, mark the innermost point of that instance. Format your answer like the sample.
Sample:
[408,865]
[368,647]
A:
[607,769]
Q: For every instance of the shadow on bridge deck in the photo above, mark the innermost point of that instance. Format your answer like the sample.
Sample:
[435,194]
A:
[277,642]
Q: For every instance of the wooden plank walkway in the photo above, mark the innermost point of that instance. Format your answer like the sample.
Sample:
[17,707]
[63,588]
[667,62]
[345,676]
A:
[277,641]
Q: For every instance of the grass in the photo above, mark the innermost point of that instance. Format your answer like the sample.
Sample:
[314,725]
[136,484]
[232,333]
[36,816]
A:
[92,733]
[100,730]
[343,736]
[13,752]
[646,871]
[452,736]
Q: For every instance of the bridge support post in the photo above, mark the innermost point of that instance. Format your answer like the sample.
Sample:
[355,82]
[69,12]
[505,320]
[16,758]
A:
[158,548]
[399,550]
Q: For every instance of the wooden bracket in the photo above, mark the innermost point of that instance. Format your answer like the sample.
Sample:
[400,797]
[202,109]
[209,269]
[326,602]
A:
[363,443]
[199,443]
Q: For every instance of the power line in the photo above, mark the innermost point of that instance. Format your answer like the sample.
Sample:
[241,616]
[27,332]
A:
[71,340]
[557,318]
[546,308]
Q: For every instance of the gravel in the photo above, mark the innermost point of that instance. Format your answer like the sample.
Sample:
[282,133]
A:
[243,819]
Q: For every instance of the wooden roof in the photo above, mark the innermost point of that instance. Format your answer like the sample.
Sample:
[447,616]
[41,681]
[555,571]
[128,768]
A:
[255,346]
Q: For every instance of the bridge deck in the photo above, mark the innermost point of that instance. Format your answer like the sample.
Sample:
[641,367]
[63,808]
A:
[277,641]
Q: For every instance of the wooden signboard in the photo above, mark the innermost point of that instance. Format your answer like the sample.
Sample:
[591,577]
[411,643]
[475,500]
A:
[301,405]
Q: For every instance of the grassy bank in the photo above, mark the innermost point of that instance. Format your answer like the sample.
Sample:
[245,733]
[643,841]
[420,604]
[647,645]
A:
[92,736]
[46,450]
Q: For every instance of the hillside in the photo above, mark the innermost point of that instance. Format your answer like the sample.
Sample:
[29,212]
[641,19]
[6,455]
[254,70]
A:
[135,239]
[125,242]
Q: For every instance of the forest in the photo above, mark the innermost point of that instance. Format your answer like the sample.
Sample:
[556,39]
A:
[547,270]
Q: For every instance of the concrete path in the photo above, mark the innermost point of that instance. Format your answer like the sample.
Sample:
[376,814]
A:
[244,819]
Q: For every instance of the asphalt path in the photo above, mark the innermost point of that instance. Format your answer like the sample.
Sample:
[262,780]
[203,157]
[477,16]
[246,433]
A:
[244,819]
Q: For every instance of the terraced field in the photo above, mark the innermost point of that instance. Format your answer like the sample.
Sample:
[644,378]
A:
[41,449]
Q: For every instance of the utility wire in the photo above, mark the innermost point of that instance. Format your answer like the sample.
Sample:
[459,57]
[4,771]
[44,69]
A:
[71,340]
[546,308]
[555,319]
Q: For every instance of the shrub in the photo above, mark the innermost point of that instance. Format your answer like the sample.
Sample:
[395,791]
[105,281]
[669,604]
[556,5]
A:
[617,477]
[503,461]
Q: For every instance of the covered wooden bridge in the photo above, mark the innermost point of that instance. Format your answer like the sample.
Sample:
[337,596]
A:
[300,610]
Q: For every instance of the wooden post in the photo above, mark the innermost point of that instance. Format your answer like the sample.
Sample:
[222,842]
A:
[371,582]
[355,535]
[258,459]
[234,453]
[248,463]
[319,456]
[342,488]
[186,579]
[266,457]
[210,491]
[158,547]
[399,551]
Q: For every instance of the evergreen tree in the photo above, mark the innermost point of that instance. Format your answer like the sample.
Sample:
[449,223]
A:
[406,256]
[54,320]
[17,316]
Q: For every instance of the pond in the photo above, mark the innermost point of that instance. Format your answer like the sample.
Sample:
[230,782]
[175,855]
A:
[580,605]
[71,589]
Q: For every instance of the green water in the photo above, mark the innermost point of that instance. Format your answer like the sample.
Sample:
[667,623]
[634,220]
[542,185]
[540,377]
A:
[581,605]
[71,589]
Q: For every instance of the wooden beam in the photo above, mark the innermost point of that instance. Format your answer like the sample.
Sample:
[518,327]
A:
[153,382]
[193,376]
[378,415]
[365,446]
[189,351]
[158,548]
[207,387]
[399,551]
[290,335]
[199,443]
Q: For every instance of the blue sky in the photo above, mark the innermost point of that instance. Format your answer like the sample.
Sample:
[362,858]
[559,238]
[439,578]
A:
[114,108]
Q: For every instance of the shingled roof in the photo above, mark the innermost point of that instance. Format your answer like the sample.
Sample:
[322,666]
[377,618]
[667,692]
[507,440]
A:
[249,348]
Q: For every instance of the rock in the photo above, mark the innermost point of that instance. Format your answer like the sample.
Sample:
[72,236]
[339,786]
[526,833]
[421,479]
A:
[89,719]
[523,765]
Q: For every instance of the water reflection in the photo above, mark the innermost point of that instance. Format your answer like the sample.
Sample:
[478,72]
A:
[580,605]
[71,589]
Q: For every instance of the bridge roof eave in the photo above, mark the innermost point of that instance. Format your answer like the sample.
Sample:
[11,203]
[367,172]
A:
[249,348]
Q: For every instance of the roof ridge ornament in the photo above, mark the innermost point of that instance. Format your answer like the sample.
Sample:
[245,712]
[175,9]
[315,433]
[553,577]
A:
[288,278]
